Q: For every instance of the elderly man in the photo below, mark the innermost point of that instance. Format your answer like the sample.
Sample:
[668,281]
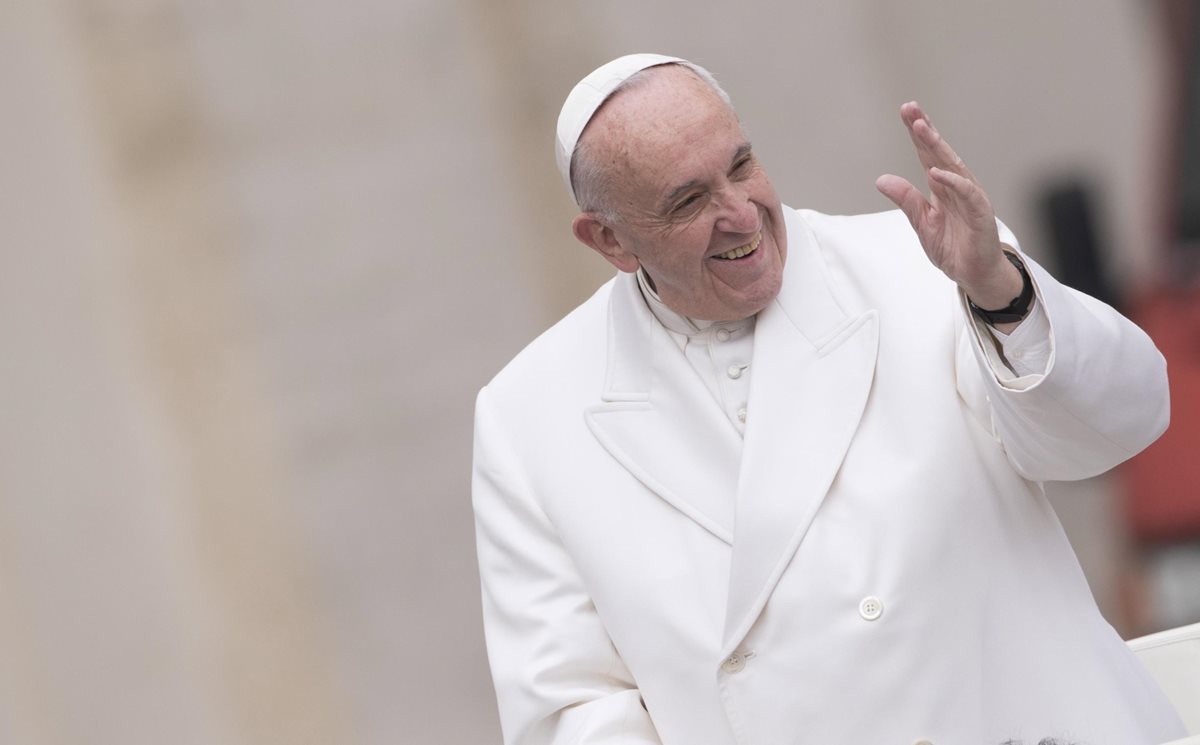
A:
[780,480]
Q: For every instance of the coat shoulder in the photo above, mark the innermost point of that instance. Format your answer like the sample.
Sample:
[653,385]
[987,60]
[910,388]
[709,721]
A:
[562,360]
[878,242]
[876,261]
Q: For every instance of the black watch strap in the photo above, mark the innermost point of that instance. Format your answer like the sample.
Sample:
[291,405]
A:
[1020,305]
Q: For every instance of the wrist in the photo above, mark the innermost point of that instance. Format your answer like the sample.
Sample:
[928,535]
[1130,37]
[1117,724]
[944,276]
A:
[1012,301]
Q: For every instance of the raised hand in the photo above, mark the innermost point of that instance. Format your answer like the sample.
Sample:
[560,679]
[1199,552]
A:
[956,225]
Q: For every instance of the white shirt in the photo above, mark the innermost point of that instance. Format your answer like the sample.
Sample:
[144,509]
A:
[719,351]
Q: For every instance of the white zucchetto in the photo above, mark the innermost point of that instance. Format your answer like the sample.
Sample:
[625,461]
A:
[587,96]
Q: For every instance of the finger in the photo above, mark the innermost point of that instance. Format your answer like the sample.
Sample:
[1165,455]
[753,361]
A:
[943,194]
[932,148]
[938,152]
[910,112]
[904,195]
[940,194]
[965,192]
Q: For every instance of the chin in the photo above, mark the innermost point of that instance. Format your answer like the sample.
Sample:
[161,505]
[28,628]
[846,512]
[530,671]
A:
[762,299]
[746,308]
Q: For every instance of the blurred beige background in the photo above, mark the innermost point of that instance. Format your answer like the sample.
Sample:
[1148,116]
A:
[259,257]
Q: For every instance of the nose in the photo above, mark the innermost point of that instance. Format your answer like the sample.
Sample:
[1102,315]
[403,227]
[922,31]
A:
[738,213]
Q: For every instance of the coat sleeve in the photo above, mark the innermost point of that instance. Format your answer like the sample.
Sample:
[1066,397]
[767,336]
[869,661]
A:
[1102,398]
[558,677]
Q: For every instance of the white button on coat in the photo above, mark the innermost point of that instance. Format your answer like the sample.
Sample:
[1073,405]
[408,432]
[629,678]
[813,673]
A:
[734,663]
[735,371]
[723,334]
[742,414]
[870,608]
[923,742]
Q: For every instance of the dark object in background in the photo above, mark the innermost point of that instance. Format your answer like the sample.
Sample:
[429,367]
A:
[1180,206]
[1184,227]
[1068,210]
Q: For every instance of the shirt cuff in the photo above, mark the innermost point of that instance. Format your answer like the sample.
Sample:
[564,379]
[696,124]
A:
[1023,357]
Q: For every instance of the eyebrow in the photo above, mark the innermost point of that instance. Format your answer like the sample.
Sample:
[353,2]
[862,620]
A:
[742,151]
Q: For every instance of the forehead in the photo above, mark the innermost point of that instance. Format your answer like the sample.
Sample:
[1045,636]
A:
[649,133]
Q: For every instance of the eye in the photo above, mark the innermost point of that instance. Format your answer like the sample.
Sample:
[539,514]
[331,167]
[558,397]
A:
[742,166]
[685,204]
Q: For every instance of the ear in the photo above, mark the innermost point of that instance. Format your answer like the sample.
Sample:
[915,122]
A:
[594,234]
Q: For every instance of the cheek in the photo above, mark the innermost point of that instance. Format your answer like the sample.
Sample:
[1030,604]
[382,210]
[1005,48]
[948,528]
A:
[763,192]
[683,275]
[684,254]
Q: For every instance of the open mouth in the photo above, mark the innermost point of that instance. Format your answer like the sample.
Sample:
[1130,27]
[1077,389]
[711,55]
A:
[741,251]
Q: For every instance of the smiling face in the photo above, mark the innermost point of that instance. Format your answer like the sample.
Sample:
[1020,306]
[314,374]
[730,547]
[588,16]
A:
[693,206]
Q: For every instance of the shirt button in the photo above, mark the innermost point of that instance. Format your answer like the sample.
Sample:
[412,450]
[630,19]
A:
[735,371]
[922,742]
[723,334]
[870,608]
[734,663]
[742,414]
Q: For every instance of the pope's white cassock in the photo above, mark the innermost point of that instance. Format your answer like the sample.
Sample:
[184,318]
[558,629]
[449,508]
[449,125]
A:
[830,531]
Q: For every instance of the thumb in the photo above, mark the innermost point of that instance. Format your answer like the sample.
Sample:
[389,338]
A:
[904,195]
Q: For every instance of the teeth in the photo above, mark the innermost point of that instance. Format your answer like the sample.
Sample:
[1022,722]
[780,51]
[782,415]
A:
[741,251]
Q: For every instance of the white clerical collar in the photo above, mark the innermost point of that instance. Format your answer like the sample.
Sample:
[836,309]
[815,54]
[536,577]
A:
[677,322]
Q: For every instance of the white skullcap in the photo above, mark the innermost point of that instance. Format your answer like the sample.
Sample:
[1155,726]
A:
[586,97]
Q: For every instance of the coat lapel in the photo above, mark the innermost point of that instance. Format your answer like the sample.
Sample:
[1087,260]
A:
[659,421]
[812,370]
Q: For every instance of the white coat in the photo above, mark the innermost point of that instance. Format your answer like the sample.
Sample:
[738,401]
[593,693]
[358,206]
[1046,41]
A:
[875,564]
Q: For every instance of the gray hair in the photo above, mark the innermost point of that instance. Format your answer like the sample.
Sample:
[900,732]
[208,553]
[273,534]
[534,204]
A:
[590,181]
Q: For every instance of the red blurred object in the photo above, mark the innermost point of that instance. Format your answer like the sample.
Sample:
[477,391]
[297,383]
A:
[1164,480]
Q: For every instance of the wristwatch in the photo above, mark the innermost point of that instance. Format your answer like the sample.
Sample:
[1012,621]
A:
[1020,305]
